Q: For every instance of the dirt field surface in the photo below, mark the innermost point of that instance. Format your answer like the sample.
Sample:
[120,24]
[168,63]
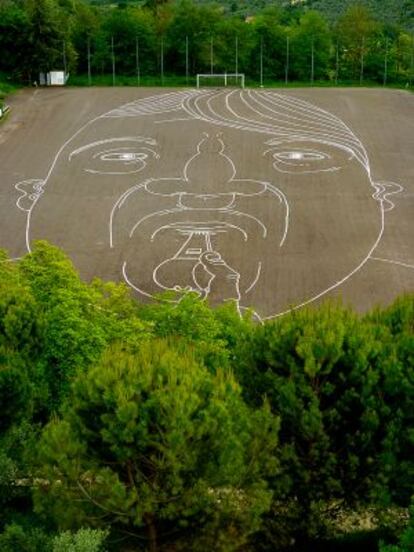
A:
[273,198]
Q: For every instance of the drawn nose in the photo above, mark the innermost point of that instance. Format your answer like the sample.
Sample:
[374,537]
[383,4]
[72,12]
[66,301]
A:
[210,169]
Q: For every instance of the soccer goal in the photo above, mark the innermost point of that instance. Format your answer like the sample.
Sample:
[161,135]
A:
[220,79]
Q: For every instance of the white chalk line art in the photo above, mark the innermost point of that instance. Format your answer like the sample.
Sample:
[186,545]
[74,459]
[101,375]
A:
[30,191]
[391,261]
[192,228]
[341,137]
[339,282]
[259,269]
[173,120]
[285,129]
[133,286]
[384,190]
[52,166]
[138,139]
[130,158]
[283,117]
[301,161]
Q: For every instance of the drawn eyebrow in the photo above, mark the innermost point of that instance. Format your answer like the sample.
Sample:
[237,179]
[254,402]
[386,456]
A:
[149,141]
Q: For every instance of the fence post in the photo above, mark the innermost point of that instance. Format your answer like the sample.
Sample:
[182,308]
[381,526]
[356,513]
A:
[64,58]
[386,63]
[337,64]
[287,61]
[89,62]
[312,61]
[186,60]
[361,73]
[261,62]
[212,55]
[237,55]
[162,61]
[137,61]
[113,61]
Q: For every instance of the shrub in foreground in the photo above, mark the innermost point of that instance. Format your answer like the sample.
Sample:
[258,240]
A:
[159,447]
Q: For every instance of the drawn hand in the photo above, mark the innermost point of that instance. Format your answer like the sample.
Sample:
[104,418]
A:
[224,282]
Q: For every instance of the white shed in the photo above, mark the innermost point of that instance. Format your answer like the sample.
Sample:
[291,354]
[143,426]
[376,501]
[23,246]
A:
[53,78]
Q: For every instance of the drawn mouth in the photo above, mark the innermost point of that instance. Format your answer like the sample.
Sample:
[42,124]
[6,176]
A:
[213,220]
[205,201]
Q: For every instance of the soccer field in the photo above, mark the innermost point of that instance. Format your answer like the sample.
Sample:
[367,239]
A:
[273,198]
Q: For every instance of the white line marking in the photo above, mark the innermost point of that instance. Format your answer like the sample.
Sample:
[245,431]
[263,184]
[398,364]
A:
[282,117]
[259,269]
[398,263]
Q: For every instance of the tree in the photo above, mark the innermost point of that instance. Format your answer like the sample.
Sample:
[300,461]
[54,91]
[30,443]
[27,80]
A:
[356,30]
[85,24]
[14,29]
[311,47]
[126,26]
[78,320]
[270,44]
[406,540]
[46,37]
[84,540]
[333,381]
[230,30]
[198,24]
[18,538]
[161,448]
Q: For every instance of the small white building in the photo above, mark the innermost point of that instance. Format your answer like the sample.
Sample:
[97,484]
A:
[53,78]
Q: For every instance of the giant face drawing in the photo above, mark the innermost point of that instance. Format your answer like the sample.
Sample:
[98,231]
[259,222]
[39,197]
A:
[240,195]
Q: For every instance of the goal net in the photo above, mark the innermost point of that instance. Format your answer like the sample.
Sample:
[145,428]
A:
[220,79]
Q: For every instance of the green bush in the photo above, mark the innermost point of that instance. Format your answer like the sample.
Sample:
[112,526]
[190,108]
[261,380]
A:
[166,449]
[84,540]
[17,539]
[406,540]
[343,388]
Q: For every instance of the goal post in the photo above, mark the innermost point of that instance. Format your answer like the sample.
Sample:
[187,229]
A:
[220,79]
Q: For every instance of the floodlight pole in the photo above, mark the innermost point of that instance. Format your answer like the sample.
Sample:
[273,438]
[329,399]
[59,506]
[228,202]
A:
[237,55]
[337,64]
[64,58]
[361,74]
[162,61]
[137,61]
[312,61]
[386,63]
[89,62]
[212,55]
[261,62]
[287,61]
[113,61]
[186,60]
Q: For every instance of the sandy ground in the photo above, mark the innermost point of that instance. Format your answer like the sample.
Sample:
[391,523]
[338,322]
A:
[264,196]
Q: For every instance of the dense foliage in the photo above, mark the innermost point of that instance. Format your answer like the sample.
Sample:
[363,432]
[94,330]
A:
[317,40]
[174,426]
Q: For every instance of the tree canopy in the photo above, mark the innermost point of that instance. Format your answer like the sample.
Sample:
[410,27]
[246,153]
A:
[329,41]
[167,426]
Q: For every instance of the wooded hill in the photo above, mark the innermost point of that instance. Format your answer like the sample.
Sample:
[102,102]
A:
[397,12]
[174,39]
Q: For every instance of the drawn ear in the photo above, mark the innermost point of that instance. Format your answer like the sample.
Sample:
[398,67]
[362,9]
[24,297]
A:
[30,191]
[383,192]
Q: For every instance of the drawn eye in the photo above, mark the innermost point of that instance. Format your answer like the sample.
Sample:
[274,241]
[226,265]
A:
[298,159]
[124,157]
[299,156]
[118,161]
